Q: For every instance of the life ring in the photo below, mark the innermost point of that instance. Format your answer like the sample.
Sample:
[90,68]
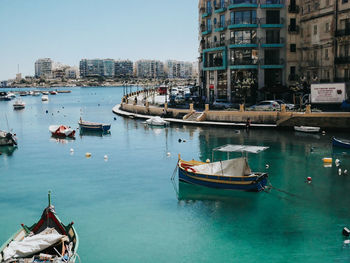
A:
[190,170]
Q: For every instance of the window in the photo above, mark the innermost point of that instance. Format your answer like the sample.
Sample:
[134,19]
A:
[327,28]
[222,37]
[243,37]
[315,29]
[244,57]
[327,3]
[326,54]
[293,47]
[244,17]
[209,25]
[272,36]
[222,20]
[344,1]
[346,74]
[273,17]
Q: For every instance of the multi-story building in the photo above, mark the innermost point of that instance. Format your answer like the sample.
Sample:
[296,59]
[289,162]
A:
[96,68]
[242,48]
[123,68]
[178,69]
[149,69]
[43,68]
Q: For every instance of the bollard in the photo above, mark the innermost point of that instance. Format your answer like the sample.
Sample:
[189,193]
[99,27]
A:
[283,108]
[166,107]
[191,106]
[206,107]
[308,109]
[241,107]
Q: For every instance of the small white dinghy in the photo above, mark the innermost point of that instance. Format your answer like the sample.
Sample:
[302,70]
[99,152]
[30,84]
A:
[307,129]
[44,98]
[157,121]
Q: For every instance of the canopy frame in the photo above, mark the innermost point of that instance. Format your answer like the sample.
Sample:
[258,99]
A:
[228,148]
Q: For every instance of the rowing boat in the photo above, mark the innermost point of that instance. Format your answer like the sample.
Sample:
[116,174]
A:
[48,240]
[343,143]
[94,126]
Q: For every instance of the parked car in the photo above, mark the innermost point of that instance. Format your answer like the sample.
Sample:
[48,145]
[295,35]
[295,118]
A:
[179,99]
[221,104]
[266,105]
[289,106]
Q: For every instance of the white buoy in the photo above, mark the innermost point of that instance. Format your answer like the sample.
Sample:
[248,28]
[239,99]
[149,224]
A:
[345,171]
[105,157]
[267,166]
[71,150]
[168,154]
[339,171]
[323,132]
[207,161]
[337,162]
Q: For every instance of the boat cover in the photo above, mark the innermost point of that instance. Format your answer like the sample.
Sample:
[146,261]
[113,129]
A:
[240,148]
[232,167]
[156,121]
[61,129]
[32,244]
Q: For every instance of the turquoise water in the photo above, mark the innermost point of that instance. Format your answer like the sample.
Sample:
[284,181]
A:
[126,209]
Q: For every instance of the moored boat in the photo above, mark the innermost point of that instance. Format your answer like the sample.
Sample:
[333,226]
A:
[234,174]
[7,139]
[4,96]
[309,129]
[44,98]
[19,104]
[94,126]
[157,121]
[48,240]
[62,131]
[53,92]
[64,91]
[343,143]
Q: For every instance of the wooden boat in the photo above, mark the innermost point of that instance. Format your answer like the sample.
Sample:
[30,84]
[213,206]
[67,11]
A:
[61,131]
[94,126]
[234,174]
[341,143]
[48,240]
[19,104]
[53,92]
[7,139]
[64,91]
[307,129]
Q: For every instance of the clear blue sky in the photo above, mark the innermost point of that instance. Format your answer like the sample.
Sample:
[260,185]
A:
[69,30]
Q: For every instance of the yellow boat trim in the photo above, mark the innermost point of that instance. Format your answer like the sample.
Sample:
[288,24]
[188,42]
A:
[219,181]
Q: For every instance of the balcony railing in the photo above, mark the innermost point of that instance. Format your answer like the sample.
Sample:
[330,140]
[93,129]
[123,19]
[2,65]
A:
[237,2]
[342,60]
[271,61]
[293,77]
[244,62]
[221,5]
[239,21]
[214,44]
[271,2]
[342,32]
[237,41]
[271,21]
[293,29]
[272,40]
[293,9]
[221,24]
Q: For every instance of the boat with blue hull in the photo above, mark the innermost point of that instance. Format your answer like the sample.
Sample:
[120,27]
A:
[233,174]
[94,126]
[343,143]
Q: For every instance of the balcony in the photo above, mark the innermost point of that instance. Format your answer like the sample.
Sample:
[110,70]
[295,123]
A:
[244,64]
[220,7]
[342,32]
[242,23]
[272,42]
[269,4]
[293,29]
[213,44]
[235,4]
[207,12]
[221,26]
[342,60]
[243,43]
[294,9]
[271,22]
[271,63]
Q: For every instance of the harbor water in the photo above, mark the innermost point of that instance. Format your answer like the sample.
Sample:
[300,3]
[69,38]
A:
[126,208]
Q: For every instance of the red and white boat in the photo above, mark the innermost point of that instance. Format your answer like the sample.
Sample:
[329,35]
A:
[62,131]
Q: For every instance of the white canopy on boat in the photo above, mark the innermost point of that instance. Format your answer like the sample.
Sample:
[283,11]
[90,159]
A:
[240,148]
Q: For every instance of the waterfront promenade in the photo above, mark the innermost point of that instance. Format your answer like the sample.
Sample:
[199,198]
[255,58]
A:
[144,108]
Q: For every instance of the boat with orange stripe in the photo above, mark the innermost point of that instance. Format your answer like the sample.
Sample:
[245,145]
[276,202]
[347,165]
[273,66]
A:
[234,174]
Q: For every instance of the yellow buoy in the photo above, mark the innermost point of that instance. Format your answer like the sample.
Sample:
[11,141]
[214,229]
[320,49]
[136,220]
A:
[87,155]
[327,160]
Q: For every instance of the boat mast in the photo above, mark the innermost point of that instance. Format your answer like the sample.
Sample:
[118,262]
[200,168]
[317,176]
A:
[49,197]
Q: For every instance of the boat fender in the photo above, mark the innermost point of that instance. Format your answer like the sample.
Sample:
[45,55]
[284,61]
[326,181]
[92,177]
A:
[327,160]
[346,231]
[190,170]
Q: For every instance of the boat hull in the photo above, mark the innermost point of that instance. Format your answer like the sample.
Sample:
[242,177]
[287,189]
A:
[98,127]
[247,183]
[340,143]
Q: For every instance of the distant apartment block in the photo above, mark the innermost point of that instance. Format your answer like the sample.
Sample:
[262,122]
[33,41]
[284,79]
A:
[123,68]
[43,68]
[178,69]
[149,69]
[96,68]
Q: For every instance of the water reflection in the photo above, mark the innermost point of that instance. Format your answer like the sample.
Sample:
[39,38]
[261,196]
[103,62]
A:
[61,140]
[7,150]
[93,133]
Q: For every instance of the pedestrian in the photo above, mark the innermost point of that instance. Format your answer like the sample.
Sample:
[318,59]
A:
[248,123]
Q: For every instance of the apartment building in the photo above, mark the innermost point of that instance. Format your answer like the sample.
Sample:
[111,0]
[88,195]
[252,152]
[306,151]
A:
[123,68]
[43,68]
[178,69]
[149,69]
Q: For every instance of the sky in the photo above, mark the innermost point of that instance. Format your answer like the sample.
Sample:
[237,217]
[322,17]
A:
[69,30]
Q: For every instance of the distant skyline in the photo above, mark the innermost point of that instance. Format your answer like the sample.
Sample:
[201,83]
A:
[67,31]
